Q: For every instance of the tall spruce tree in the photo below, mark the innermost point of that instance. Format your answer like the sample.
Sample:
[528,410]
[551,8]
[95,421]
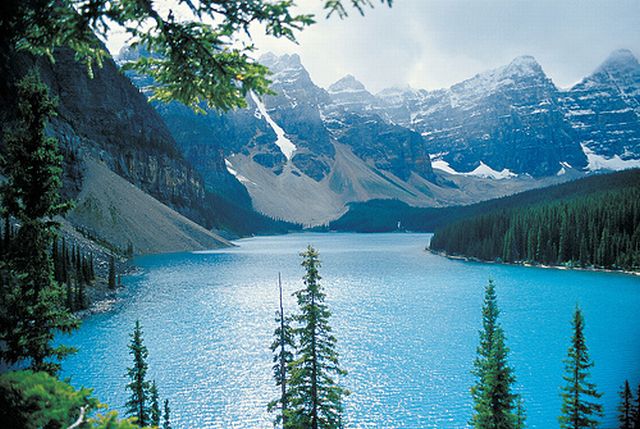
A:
[637,410]
[520,415]
[494,401]
[282,348]
[579,406]
[64,254]
[314,397]
[166,416]
[155,405]
[32,304]
[138,403]
[625,409]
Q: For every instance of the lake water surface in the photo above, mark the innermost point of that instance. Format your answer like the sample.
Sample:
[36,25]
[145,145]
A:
[407,324]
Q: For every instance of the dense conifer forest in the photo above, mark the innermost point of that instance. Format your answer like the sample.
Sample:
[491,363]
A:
[385,215]
[600,230]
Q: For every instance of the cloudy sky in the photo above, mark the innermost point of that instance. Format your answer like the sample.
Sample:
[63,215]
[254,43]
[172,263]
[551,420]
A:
[436,43]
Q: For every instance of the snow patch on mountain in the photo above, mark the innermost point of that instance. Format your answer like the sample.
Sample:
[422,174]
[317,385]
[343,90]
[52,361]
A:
[482,170]
[234,173]
[286,146]
[442,165]
[615,163]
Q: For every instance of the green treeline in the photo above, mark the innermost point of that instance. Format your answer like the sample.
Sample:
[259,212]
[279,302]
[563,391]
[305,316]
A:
[597,230]
[393,215]
[75,270]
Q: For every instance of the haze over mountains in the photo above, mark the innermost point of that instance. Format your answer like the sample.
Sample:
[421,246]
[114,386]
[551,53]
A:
[306,152]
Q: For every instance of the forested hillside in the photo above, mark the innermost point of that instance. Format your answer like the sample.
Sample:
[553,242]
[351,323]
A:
[599,226]
[386,215]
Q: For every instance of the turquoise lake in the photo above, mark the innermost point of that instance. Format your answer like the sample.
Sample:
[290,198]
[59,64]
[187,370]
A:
[406,321]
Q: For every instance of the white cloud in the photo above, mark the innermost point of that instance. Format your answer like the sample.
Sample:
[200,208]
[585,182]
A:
[435,43]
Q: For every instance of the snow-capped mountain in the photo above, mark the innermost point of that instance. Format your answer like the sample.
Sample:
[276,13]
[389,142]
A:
[514,120]
[296,109]
[604,110]
[349,93]
[305,152]
[510,118]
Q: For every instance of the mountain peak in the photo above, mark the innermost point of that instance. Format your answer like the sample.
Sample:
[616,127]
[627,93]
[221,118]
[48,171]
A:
[286,60]
[620,58]
[348,82]
[397,91]
[268,58]
[286,69]
[525,60]
[524,65]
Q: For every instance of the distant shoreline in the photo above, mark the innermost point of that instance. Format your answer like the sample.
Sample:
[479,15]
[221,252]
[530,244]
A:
[531,265]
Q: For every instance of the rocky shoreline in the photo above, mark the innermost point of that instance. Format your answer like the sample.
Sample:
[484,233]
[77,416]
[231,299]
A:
[530,265]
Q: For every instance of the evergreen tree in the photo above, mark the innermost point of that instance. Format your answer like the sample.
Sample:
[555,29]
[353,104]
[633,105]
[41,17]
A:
[493,399]
[32,305]
[55,257]
[112,272]
[597,229]
[637,411]
[64,254]
[6,238]
[282,347]
[520,415]
[137,405]
[167,415]
[579,406]
[155,405]
[626,407]
[315,397]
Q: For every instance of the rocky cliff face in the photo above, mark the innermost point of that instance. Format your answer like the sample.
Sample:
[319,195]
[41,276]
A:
[509,118]
[305,152]
[349,93]
[299,150]
[513,120]
[353,117]
[296,109]
[388,147]
[106,117]
[604,108]
[201,138]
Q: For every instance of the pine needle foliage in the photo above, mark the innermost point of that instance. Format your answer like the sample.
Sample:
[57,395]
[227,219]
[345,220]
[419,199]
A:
[637,410]
[494,401]
[138,403]
[32,303]
[112,272]
[166,416]
[580,408]
[202,49]
[155,412]
[282,348]
[601,230]
[625,409]
[315,395]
